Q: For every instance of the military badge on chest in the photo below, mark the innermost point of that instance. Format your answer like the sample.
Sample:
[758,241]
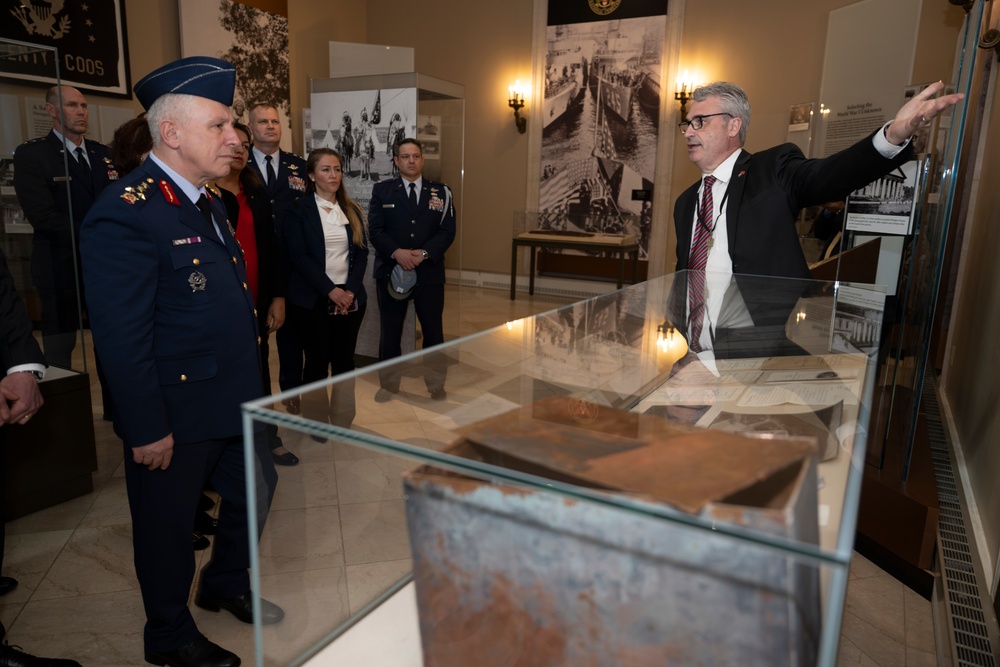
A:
[297,183]
[197,281]
[436,203]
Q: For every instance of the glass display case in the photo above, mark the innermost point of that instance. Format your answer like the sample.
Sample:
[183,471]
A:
[589,485]
[361,117]
[48,461]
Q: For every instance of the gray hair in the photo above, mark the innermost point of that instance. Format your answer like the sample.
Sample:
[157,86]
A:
[732,99]
[171,106]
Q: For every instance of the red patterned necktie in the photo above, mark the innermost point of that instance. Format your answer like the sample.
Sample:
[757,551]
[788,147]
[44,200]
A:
[697,260]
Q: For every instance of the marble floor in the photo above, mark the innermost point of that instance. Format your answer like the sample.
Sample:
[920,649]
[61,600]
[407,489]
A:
[335,539]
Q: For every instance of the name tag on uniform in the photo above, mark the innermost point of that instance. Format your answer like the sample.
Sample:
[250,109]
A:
[388,206]
[61,179]
[187,241]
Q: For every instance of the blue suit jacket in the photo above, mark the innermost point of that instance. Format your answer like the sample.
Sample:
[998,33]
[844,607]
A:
[765,195]
[40,185]
[393,224]
[306,257]
[172,319]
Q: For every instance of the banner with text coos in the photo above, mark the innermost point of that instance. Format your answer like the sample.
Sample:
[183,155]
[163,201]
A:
[90,38]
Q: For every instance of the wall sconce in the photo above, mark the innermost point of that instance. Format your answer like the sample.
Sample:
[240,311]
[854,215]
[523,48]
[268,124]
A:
[515,100]
[684,92]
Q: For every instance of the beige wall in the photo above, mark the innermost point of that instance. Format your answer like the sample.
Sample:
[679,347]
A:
[484,46]
[311,27]
[972,386]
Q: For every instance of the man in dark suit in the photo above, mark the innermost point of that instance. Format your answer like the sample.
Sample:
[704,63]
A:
[284,177]
[174,321]
[740,217]
[756,196]
[40,184]
[411,221]
[20,399]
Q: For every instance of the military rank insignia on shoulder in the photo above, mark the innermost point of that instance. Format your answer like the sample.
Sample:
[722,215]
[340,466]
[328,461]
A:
[134,193]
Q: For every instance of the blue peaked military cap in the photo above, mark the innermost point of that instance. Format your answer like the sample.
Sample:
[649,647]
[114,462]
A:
[201,76]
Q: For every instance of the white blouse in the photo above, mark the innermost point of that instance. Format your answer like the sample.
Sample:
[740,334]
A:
[335,230]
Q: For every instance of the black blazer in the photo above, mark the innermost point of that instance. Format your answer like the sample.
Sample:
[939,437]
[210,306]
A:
[270,263]
[17,344]
[766,193]
[305,257]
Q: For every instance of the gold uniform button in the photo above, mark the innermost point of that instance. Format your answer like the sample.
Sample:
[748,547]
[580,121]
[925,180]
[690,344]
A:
[234,260]
[197,261]
[255,312]
[244,286]
[258,340]
[184,377]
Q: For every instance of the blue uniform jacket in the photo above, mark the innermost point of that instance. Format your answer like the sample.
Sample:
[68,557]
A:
[393,225]
[290,184]
[172,318]
[40,185]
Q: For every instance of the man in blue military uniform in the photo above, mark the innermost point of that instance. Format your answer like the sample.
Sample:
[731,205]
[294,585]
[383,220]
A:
[175,323]
[411,221]
[284,177]
[40,184]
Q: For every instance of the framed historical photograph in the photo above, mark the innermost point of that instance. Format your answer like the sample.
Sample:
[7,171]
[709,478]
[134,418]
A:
[90,41]
[254,41]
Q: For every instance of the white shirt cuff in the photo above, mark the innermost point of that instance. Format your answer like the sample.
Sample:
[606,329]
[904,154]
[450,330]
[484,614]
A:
[30,368]
[883,146]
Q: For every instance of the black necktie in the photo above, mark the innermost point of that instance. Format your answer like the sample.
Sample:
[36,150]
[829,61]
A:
[271,178]
[89,175]
[205,208]
[413,195]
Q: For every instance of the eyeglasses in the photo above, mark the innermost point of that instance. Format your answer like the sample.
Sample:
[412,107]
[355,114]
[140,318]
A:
[698,122]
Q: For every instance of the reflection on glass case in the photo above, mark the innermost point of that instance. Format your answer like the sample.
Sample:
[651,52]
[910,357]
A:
[590,487]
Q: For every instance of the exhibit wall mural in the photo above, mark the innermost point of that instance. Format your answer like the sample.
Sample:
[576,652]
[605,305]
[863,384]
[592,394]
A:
[600,114]
[254,41]
[363,125]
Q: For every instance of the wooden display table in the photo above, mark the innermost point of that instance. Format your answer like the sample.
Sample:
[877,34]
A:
[621,244]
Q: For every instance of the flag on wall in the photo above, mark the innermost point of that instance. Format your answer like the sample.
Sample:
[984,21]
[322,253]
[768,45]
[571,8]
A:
[89,37]
[377,111]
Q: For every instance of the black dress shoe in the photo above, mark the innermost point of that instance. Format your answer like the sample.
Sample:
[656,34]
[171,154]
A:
[12,656]
[199,653]
[7,584]
[205,523]
[199,542]
[286,459]
[438,394]
[292,405]
[242,607]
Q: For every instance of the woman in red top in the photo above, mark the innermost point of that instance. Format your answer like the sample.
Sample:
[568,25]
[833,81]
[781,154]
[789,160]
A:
[249,211]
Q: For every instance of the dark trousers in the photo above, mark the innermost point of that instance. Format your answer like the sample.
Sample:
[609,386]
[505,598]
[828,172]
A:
[289,356]
[273,441]
[163,504]
[428,303]
[329,342]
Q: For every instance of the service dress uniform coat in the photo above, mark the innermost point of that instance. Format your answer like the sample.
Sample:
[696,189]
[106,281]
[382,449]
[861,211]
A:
[175,323]
[393,223]
[40,184]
